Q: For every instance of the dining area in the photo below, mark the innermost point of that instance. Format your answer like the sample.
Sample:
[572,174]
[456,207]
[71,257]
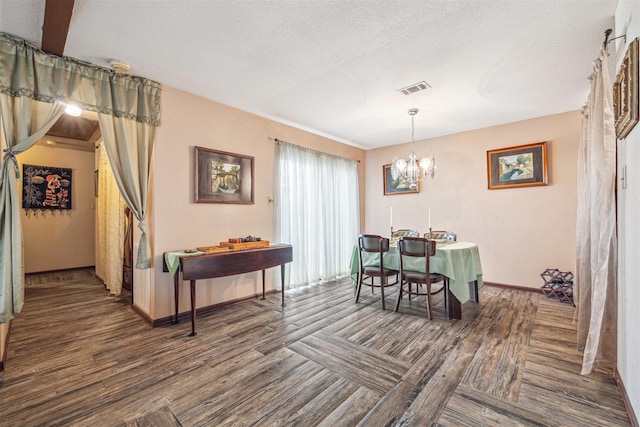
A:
[418,265]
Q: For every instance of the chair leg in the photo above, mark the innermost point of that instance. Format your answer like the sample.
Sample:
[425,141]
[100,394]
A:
[399,297]
[444,292]
[383,282]
[360,280]
[429,301]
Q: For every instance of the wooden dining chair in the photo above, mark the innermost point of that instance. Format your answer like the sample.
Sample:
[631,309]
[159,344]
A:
[417,247]
[374,244]
[446,235]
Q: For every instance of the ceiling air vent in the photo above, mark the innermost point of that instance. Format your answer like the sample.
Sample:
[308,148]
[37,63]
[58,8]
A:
[416,87]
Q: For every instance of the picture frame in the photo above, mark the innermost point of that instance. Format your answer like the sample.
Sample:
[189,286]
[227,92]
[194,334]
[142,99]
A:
[397,186]
[625,92]
[47,188]
[518,166]
[223,177]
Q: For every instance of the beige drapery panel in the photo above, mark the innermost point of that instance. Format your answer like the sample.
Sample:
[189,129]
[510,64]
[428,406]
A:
[112,223]
[26,71]
[17,136]
[596,242]
[129,146]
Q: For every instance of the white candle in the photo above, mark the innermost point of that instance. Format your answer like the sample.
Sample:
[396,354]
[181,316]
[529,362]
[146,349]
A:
[429,216]
[391,216]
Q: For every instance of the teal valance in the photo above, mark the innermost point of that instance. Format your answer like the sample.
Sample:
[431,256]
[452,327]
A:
[26,70]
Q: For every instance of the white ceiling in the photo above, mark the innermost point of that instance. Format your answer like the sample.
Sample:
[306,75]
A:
[334,67]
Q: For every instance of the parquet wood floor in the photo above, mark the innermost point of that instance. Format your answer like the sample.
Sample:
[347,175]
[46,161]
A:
[79,357]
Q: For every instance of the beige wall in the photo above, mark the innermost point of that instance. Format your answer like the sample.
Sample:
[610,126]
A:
[520,231]
[61,239]
[180,223]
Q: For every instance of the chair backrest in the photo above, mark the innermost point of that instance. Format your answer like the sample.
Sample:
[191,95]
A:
[403,232]
[446,235]
[372,243]
[416,247]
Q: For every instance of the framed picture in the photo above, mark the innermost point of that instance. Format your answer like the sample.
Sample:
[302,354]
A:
[46,187]
[625,92]
[520,166]
[222,177]
[396,186]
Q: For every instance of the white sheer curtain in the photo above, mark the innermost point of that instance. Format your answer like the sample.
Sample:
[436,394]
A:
[596,256]
[112,224]
[317,212]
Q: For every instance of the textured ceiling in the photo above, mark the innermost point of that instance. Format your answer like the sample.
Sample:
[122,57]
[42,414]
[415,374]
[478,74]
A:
[334,67]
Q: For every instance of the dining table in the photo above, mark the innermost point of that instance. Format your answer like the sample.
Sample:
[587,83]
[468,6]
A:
[458,261]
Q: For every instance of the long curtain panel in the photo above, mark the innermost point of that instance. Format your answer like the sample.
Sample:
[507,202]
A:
[129,147]
[18,135]
[317,211]
[596,242]
[112,224]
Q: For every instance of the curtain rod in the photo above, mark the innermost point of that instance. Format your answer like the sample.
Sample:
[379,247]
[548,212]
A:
[278,141]
[607,33]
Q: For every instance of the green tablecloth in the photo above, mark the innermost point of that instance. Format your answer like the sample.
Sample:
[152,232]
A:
[172,259]
[459,261]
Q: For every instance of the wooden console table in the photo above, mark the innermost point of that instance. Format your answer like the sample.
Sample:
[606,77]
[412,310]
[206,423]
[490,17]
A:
[204,265]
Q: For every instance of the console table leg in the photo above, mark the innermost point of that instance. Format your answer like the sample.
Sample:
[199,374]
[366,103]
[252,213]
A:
[176,293]
[193,309]
[282,279]
[263,297]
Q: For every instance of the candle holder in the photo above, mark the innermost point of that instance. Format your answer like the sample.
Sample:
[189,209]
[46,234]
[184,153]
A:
[391,234]
[429,232]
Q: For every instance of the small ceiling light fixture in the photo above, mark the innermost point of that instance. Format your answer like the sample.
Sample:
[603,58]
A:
[73,110]
[413,170]
[120,66]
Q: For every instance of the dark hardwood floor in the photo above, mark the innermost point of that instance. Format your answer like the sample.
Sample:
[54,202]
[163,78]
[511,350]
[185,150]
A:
[78,356]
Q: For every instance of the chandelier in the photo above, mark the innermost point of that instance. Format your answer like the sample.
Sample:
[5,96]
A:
[413,170]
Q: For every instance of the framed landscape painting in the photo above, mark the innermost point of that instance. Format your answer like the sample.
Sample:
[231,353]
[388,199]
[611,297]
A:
[520,166]
[625,92]
[396,186]
[222,177]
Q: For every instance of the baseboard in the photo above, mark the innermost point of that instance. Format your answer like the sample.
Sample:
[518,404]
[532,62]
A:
[625,397]
[186,315]
[142,314]
[61,269]
[515,288]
